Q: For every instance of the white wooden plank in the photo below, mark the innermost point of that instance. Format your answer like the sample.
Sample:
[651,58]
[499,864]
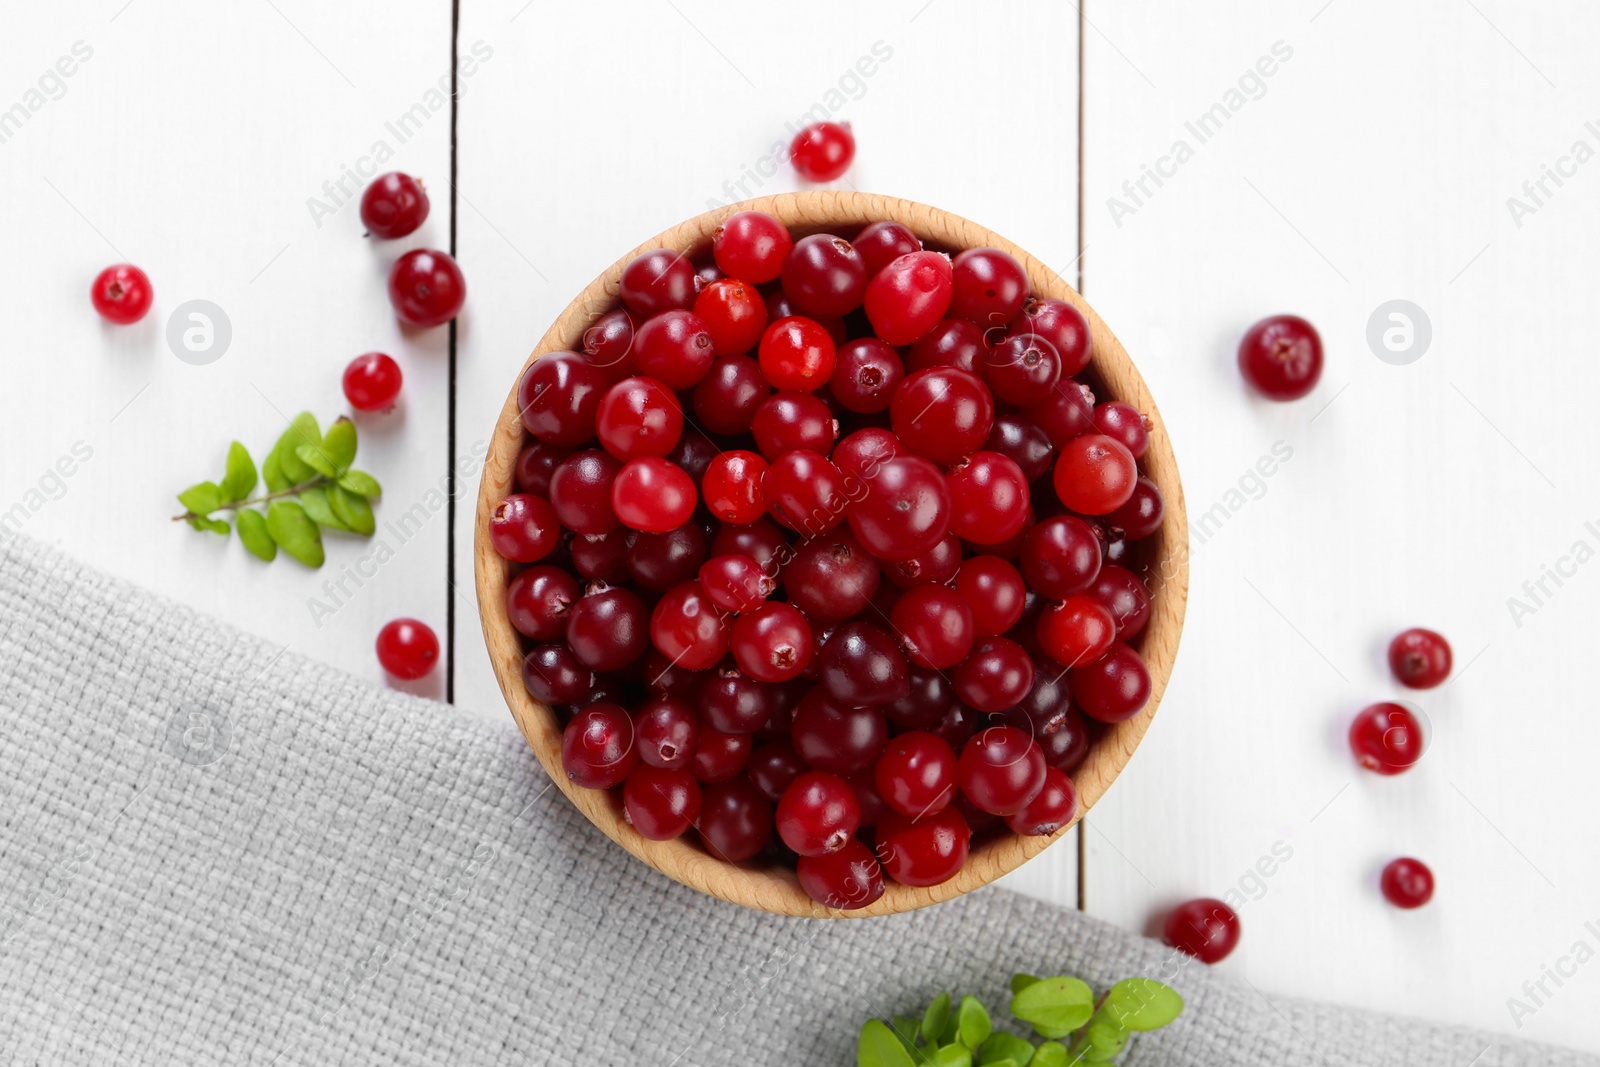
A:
[1374,164]
[566,161]
[191,140]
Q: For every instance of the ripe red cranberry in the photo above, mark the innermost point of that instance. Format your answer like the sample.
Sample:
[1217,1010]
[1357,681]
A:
[639,417]
[688,628]
[602,557]
[831,578]
[923,851]
[1023,443]
[597,747]
[1077,631]
[1064,326]
[735,583]
[860,453]
[824,276]
[905,511]
[1206,929]
[659,561]
[651,494]
[657,281]
[1060,557]
[1141,515]
[734,313]
[834,738]
[675,348]
[1420,659]
[732,487]
[537,602]
[122,293]
[860,666]
[818,814]
[393,205]
[1114,687]
[996,675]
[990,287]
[958,726]
[1050,810]
[1064,748]
[667,732]
[937,565]
[988,499]
[774,767]
[822,151]
[1387,738]
[1021,368]
[1123,422]
[942,413]
[720,757]
[865,374]
[1125,594]
[1281,357]
[1407,883]
[733,703]
[772,643]
[935,626]
[426,288]
[1068,412]
[908,298]
[553,675]
[372,382]
[608,344]
[1000,770]
[883,242]
[846,880]
[580,491]
[805,492]
[929,698]
[726,399]
[407,649]
[762,541]
[797,353]
[735,820]
[524,528]
[751,246]
[559,396]
[1095,475]
[916,775]
[788,421]
[994,590]
[608,628]
[661,804]
[663,678]
[957,343]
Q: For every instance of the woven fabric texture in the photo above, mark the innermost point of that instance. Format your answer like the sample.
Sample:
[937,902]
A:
[216,851]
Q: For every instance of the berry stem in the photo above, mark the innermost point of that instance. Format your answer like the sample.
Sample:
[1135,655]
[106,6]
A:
[316,483]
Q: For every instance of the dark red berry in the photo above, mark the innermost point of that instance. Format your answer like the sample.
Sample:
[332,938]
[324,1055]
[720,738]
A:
[837,739]
[688,628]
[942,413]
[774,767]
[916,775]
[372,382]
[1140,515]
[674,347]
[726,399]
[1060,557]
[667,731]
[1126,595]
[559,396]
[661,804]
[1420,659]
[905,510]
[735,820]
[607,629]
[407,649]
[608,344]
[1067,413]
[1054,807]
[426,288]
[990,287]
[865,375]
[996,675]
[1114,687]
[393,205]
[994,590]
[831,578]
[524,528]
[1021,368]
[720,757]
[860,666]
[639,417]
[1064,326]
[805,492]
[537,602]
[553,675]
[935,626]
[883,242]
[580,491]
[735,583]
[818,814]
[788,421]
[938,565]
[597,747]
[988,499]
[1407,883]
[925,851]
[824,276]
[658,280]
[1124,423]
[659,561]
[955,343]
[1206,929]
[1281,357]
[1000,770]
[846,880]
[762,541]
[860,453]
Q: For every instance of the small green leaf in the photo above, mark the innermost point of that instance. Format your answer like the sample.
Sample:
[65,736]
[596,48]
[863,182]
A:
[316,503]
[972,1022]
[936,1018]
[202,498]
[1004,1047]
[1019,982]
[302,431]
[1141,1004]
[253,533]
[272,472]
[295,533]
[879,1047]
[339,444]
[314,457]
[353,510]
[953,1055]
[216,526]
[1050,1054]
[241,474]
[1103,1041]
[1054,1006]
[905,1028]
[361,482]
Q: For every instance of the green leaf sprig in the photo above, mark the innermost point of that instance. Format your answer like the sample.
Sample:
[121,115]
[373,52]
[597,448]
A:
[961,1034]
[310,485]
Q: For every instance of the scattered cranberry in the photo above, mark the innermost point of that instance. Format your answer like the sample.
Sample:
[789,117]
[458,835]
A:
[923,851]
[122,293]
[524,528]
[751,245]
[1407,883]
[1387,738]
[426,288]
[822,151]
[372,382]
[597,747]
[1206,929]
[393,205]
[846,880]
[407,649]
[1420,659]
[1281,357]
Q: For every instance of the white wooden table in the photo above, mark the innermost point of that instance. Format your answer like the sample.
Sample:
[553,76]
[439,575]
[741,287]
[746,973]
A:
[1373,163]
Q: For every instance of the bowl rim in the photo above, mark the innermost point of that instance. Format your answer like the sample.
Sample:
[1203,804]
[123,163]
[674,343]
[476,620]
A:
[774,888]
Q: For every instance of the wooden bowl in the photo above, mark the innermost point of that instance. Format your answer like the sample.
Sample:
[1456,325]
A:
[775,888]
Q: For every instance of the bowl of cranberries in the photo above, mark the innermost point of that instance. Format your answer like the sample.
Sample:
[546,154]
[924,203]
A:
[831,554]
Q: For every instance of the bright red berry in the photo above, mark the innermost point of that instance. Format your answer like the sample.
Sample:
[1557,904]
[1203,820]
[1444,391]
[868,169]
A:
[990,287]
[1064,326]
[908,298]
[426,288]
[653,495]
[639,417]
[1095,474]
[935,626]
[797,353]
[772,643]
[818,814]
[122,293]
[1114,687]
[822,151]
[661,804]
[923,851]
[675,348]
[942,413]
[1053,807]
[372,382]
[597,747]
[688,628]
[916,775]
[734,313]
[905,510]
[407,648]
[524,528]
[1077,631]
[1386,738]
[846,880]
[658,280]
[1407,883]
[1000,770]
[393,205]
[751,246]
